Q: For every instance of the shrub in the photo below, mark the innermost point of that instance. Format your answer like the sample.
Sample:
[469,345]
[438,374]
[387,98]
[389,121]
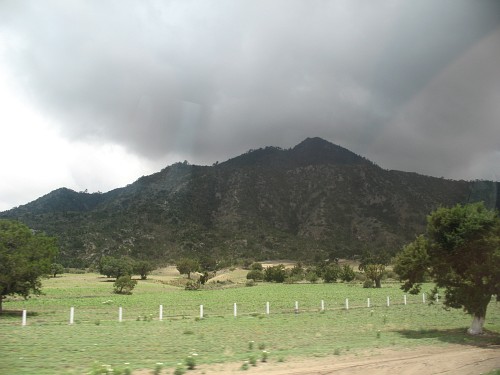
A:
[191,361]
[347,274]
[56,269]
[368,283]
[115,267]
[250,283]
[275,273]
[192,285]
[297,272]
[331,273]
[359,276]
[312,276]
[158,368]
[252,360]
[256,266]
[294,279]
[247,263]
[124,285]
[256,275]
[179,370]
[143,268]
[392,275]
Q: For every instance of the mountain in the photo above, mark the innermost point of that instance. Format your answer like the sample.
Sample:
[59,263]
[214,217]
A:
[314,201]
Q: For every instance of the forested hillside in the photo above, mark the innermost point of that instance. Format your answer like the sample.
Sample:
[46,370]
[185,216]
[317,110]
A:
[314,201]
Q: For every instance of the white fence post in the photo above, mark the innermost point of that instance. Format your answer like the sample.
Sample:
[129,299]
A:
[201,311]
[120,314]
[71,315]
[267,308]
[235,310]
[322,305]
[404,299]
[423,297]
[347,303]
[161,312]
[437,298]
[388,301]
[24,318]
[296,307]
[368,302]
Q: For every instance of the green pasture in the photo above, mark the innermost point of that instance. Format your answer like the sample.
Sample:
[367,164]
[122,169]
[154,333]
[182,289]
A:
[48,344]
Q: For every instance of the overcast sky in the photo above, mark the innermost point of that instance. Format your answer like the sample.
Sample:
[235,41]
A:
[94,94]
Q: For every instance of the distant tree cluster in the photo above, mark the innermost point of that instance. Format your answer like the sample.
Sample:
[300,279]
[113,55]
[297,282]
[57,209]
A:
[328,272]
[206,265]
[117,267]
[122,270]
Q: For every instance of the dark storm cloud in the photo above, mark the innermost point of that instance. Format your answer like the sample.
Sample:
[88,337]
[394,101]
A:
[208,80]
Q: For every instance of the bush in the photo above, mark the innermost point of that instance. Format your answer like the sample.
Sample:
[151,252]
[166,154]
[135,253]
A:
[247,263]
[191,361]
[275,273]
[347,274]
[392,275]
[179,370]
[368,283]
[359,276]
[256,275]
[331,273]
[312,276]
[256,266]
[124,285]
[56,269]
[192,285]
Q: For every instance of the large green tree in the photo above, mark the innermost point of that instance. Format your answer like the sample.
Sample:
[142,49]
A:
[25,256]
[143,268]
[461,253]
[115,267]
[187,265]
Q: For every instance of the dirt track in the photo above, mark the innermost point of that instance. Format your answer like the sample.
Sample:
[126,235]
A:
[451,359]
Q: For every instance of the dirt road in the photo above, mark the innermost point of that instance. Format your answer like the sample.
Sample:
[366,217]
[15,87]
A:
[450,359]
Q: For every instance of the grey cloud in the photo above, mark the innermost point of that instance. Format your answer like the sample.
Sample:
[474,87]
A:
[209,80]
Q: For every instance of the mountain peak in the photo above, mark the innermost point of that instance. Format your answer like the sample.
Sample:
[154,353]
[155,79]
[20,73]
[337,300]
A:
[319,151]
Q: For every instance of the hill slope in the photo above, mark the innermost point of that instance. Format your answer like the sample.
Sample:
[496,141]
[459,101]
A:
[313,201]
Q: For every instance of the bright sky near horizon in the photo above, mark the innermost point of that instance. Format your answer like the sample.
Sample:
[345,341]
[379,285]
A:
[94,94]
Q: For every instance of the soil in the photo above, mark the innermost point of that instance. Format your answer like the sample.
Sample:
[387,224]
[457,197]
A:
[427,360]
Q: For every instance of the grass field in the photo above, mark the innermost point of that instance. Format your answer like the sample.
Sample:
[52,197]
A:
[50,345]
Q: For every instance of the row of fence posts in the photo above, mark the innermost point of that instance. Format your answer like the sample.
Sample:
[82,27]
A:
[235,309]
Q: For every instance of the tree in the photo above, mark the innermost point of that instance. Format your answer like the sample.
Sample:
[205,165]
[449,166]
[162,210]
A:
[375,272]
[115,267]
[56,268]
[347,274]
[25,256]
[255,275]
[143,268]
[275,273]
[256,266]
[461,253]
[331,273]
[187,265]
[124,285]
[373,264]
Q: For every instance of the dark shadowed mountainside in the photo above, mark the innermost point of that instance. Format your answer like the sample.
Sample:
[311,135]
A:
[314,201]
